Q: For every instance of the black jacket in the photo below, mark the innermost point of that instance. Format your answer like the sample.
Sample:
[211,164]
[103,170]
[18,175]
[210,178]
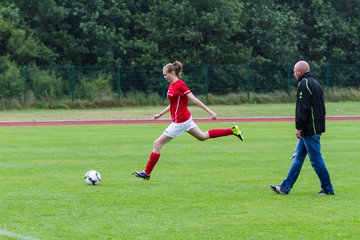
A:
[310,106]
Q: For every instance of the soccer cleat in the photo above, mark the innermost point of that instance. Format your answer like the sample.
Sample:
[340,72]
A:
[236,131]
[278,190]
[323,193]
[142,175]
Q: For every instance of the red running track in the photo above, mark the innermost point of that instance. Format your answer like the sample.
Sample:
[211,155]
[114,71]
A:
[167,121]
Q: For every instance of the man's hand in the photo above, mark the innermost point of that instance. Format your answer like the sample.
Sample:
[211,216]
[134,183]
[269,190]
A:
[298,133]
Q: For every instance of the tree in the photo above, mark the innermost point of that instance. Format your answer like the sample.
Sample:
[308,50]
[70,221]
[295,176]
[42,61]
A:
[195,32]
[81,32]
[18,43]
[272,32]
[152,32]
[330,34]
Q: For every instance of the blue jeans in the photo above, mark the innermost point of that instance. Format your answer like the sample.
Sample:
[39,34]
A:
[308,146]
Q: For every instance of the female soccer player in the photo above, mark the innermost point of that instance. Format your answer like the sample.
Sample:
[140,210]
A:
[179,95]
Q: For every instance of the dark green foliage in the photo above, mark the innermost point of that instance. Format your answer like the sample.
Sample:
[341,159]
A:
[18,42]
[93,87]
[148,32]
[11,85]
[45,85]
[105,48]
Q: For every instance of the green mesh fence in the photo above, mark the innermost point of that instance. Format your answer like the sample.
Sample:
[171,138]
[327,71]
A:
[76,83]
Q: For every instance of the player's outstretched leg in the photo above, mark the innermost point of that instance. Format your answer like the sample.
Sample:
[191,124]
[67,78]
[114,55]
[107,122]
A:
[215,133]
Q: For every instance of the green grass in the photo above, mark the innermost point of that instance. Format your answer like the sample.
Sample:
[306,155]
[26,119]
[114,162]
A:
[223,111]
[216,189]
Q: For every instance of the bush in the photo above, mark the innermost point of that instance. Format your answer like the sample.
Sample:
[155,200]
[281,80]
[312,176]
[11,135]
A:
[11,85]
[91,88]
[45,85]
[142,99]
[342,94]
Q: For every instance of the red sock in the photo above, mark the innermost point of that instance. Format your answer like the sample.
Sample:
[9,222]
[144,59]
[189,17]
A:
[214,133]
[154,157]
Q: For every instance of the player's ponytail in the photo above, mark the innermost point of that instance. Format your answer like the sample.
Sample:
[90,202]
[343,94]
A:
[176,66]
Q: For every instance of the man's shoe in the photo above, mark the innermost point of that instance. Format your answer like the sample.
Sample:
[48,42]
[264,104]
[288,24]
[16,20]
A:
[236,131]
[323,193]
[278,190]
[142,175]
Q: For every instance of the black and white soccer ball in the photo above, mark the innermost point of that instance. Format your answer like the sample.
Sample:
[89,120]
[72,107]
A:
[92,177]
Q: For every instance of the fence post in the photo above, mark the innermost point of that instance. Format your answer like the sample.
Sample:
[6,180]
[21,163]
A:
[248,83]
[73,83]
[206,75]
[327,77]
[118,81]
[288,79]
[24,73]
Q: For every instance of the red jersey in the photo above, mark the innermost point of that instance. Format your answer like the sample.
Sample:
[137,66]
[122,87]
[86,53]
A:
[177,95]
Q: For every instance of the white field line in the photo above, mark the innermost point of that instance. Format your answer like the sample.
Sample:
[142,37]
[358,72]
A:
[15,235]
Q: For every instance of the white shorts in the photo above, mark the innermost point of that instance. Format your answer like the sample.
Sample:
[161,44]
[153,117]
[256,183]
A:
[176,129]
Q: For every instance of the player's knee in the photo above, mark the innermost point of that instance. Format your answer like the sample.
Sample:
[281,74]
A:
[202,137]
[157,145]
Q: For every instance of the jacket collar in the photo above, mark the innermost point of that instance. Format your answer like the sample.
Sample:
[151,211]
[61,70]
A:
[305,75]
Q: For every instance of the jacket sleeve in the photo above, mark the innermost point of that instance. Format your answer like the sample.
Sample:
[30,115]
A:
[303,110]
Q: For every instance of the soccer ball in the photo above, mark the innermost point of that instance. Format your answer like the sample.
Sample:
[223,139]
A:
[92,177]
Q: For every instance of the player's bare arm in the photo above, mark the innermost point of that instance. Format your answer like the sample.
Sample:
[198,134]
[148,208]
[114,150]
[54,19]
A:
[199,103]
[163,112]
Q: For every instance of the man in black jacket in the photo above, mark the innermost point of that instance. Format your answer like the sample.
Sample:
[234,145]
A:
[310,123]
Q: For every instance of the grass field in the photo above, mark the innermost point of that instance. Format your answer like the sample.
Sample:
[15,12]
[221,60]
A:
[216,189]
